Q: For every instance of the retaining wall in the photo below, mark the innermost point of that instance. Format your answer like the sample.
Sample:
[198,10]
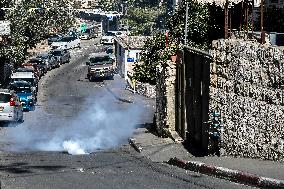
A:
[247,88]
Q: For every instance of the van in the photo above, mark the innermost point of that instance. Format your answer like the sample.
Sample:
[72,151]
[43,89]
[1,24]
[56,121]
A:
[10,107]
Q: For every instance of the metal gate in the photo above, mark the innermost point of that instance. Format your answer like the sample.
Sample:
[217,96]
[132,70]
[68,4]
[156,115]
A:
[192,99]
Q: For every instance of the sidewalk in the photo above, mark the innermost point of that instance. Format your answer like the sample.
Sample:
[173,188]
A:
[260,173]
[265,174]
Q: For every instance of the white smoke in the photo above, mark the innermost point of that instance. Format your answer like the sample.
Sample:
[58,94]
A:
[73,148]
[103,122]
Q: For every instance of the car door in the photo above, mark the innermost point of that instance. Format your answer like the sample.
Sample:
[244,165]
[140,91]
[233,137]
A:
[18,107]
[67,54]
[5,107]
[53,60]
[64,56]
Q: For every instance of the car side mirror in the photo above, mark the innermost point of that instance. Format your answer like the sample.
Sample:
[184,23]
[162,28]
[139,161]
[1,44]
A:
[87,63]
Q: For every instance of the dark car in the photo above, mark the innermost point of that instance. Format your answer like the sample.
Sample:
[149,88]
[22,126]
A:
[49,60]
[54,38]
[62,55]
[42,66]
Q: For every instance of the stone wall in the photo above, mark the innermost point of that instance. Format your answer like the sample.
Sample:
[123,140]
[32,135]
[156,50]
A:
[146,89]
[137,87]
[247,88]
[165,98]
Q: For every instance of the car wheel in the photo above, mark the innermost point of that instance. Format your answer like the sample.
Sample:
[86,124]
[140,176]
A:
[21,120]
[91,78]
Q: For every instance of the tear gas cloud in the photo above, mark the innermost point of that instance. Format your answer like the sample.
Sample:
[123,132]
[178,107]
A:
[102,123]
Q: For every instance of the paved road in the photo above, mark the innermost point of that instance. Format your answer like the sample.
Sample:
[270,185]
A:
[93,119]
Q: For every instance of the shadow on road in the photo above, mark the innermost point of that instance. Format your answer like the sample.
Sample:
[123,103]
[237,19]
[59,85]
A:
[7,124]
[22,168]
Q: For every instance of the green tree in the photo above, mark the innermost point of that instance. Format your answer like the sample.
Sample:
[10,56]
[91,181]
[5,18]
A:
[155,49]
[31,22]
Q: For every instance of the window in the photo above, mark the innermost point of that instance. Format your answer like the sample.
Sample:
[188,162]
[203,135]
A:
[137,57]
[5,98]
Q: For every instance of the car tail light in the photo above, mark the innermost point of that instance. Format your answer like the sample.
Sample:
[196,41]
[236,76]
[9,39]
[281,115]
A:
[12,102]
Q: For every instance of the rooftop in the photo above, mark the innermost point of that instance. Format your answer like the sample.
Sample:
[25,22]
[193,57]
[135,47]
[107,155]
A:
[135,42]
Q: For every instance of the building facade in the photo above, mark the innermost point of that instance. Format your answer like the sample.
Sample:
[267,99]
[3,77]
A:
[127,52]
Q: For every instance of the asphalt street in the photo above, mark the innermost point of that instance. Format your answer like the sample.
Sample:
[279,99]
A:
[95,120]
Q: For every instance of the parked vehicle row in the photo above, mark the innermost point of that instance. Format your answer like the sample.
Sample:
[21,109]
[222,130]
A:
[68,42]
[21,94]
[10,106]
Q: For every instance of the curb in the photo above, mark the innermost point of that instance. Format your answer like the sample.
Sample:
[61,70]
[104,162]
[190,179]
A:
[230,174]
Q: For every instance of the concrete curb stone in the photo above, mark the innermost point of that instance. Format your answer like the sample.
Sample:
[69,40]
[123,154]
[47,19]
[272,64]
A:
[233,175]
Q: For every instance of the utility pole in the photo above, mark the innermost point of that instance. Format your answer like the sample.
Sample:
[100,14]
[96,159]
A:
[186,27]
[226,19]
[261,23]
[252,18]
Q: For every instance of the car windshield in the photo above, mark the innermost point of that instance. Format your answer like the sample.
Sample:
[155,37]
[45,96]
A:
[100,60]
[22,89]
[87,31]
[24,70]
[35,61]
[66,39]
[109,51]
[54,36]
[43,57]
[109,34]
[4,98]
[56,53]
[30,80]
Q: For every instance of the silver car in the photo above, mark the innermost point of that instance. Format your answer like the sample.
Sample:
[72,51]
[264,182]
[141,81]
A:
[10,107]
[49,60]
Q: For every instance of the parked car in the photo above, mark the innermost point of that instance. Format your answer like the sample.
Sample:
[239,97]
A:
[88,34]
[100,66]
[49,60]
[27,76]
[119,33]
[67,43]
[62,55]
[25,93]
[30,67]
[108,38]
[10,106]
[43,67]
[110,52]
[53,38]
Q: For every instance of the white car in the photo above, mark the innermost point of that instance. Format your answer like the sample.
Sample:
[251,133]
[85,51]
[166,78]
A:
[10,107]
[67,43]
[108,38]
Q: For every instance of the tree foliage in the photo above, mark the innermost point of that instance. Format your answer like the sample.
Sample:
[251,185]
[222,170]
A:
[155,49]
[31,22]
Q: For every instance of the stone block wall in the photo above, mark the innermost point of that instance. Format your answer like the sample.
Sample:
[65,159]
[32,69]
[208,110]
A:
[247,88]
[146,89]
[165,98]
